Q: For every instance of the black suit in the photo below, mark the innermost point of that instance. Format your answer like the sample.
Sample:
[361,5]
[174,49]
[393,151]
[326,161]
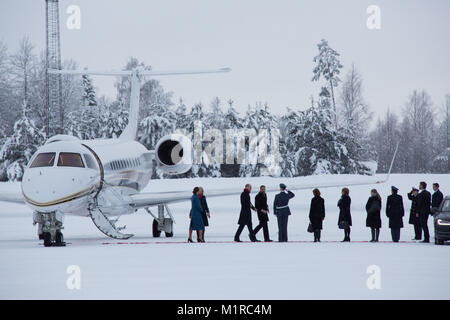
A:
[245,216]
[395,212]
[423,208]
[260,205]
[436,199]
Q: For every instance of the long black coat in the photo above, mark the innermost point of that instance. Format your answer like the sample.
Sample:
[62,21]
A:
[344,209]
[436,199]
[205,210]
[261,204]
[424,204]
[413,219]
[373,209]
[395,211]
[317,212]
[245,217]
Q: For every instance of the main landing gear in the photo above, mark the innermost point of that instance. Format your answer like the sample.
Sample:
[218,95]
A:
[49,228]
[162,222]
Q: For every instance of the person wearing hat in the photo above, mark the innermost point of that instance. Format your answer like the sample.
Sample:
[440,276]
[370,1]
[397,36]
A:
[282,212]
[395,213]
[424,210]
[414,214]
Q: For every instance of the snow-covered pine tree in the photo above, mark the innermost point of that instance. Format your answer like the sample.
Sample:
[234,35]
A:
[291,137]
[20,146]
[232,120]
[181,115]
[328,66]
[89,96]
[262,121]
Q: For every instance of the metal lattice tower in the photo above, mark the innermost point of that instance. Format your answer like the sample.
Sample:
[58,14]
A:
[53,82]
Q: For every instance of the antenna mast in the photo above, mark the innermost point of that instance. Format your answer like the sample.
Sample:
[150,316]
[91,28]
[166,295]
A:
[53,82]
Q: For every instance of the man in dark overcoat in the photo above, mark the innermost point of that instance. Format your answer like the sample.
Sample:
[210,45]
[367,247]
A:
[395,212]
[436,198]
[424,210]
[263,213]
[245,216]
[414,214]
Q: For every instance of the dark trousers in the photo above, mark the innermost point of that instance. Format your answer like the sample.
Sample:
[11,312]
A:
[282,227]
[317,235]
[395,233]
[418,231]
[347,234]
[424,225]
[375,234]
[263,225]
[250,230]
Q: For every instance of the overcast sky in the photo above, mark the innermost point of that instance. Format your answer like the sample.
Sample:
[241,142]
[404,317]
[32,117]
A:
[268,44]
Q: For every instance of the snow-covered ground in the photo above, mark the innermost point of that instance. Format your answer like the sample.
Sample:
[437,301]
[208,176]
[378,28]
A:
[147,268]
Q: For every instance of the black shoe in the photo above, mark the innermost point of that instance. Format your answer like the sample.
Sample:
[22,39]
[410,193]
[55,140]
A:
[425,241]
[255,240]
[237,240]
[268,240]
[190,240]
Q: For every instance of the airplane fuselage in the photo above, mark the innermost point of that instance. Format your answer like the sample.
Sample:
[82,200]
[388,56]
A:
[66,175]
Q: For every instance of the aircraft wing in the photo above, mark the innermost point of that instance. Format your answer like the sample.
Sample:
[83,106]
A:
[15,197]
[149,199]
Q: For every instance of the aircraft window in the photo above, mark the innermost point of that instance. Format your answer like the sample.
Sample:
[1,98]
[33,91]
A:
[90,162]
[69,159]
[44,160]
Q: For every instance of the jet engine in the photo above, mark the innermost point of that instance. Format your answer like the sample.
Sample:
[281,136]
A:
[173,154]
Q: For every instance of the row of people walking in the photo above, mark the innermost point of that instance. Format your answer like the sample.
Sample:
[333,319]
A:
[421,208]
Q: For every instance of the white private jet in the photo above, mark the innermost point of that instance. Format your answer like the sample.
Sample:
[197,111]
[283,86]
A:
[103,178]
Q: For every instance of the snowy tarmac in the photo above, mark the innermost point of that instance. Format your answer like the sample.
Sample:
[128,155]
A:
[169,268]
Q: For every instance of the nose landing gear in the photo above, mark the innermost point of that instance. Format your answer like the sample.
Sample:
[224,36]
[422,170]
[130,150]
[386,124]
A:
[49,228]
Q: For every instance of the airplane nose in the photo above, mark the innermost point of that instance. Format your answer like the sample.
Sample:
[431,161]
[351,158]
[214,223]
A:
[50,186]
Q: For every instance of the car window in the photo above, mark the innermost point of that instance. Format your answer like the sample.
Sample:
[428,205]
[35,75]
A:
[446,206]
[69,159]
[44,160]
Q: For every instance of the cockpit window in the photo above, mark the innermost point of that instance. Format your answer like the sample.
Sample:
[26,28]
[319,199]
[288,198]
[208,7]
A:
[44,160]
[69,159]
[90,162]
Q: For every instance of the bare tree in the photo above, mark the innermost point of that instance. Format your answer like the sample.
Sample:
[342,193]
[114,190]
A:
[418,110]
[23,63]
[354,111]
[385,137]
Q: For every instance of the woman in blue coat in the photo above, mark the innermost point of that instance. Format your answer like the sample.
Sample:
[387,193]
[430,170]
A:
[196,217]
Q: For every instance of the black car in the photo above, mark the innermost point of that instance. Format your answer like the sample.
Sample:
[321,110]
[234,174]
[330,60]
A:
[442,222]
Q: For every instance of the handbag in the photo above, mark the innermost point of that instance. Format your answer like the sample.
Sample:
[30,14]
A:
[343,225]
[310,228]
